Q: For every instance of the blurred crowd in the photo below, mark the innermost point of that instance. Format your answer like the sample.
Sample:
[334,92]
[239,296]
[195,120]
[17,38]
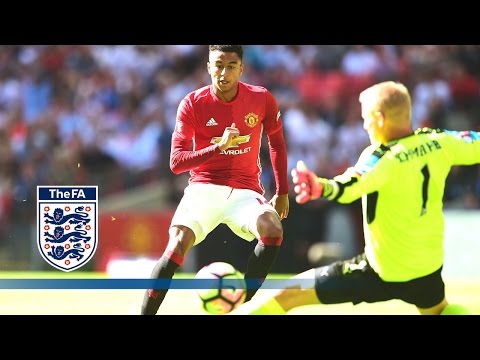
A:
[104,114]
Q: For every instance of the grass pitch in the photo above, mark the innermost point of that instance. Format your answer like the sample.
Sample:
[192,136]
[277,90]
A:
[182,301]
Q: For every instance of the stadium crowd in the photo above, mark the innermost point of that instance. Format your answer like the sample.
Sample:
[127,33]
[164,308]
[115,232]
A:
[104,114]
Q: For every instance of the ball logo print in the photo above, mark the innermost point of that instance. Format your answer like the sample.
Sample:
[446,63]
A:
[228,289]
[67,225]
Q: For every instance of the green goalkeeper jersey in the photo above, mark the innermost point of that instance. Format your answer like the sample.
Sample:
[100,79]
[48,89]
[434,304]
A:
[402,185]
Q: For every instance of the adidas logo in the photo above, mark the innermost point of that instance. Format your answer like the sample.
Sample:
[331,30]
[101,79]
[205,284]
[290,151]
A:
[211,122]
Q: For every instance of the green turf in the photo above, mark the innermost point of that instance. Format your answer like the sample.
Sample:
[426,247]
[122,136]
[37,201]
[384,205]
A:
[123,302]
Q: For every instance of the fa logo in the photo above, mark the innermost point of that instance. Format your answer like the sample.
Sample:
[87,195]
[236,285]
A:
[67,225]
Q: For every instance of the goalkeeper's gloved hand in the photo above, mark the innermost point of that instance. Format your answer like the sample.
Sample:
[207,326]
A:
[307,185]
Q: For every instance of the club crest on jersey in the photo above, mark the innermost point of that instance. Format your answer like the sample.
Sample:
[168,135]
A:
[251,119]
[67,225]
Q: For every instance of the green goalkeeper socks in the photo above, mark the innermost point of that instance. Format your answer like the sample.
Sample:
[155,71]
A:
[455,309]
[270,307]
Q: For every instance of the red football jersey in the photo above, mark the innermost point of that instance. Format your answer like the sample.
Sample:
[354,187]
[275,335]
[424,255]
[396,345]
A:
[201,120]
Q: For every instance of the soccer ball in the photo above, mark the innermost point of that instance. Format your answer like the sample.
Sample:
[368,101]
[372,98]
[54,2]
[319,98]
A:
[228,288]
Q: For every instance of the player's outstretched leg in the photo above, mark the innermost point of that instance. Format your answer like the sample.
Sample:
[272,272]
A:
[164,269]
[260,263]
[266,306]
[299,291]
[455,309]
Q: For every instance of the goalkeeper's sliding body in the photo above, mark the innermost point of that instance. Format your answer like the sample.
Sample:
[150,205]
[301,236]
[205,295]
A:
[400,178]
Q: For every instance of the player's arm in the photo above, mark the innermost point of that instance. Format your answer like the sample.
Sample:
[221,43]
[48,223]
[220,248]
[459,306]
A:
[464,147]
[278,156]
[308,186]
[364,178]
[276,144]
[182,157]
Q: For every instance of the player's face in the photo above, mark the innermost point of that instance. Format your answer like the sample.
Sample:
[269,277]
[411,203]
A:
[225,69]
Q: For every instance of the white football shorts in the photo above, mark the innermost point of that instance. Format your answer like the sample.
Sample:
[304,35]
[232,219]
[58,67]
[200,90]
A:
[204,206]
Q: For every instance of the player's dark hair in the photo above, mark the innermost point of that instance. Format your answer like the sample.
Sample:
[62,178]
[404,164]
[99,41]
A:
[238,49]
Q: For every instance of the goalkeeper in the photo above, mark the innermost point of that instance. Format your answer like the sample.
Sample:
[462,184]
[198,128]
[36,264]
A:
[401,179]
